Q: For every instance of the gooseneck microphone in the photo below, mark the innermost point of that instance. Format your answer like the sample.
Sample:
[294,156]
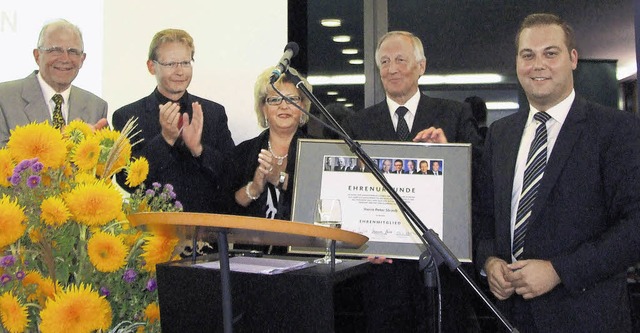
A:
[290,51]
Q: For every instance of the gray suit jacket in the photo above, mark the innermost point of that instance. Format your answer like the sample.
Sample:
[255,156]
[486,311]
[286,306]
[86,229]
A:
[22,102]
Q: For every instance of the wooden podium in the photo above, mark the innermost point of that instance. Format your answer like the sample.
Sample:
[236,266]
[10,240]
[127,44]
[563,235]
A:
[246,230]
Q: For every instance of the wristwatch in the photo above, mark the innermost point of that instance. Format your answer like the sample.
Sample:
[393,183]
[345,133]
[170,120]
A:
[283,176]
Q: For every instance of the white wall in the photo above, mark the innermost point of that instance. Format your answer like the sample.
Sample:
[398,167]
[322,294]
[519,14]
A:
[234,40]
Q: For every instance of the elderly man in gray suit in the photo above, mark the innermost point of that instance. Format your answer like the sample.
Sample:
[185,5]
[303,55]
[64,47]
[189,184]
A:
[47,93]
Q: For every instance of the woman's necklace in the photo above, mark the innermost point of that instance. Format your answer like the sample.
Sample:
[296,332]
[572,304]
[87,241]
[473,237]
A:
[279,158]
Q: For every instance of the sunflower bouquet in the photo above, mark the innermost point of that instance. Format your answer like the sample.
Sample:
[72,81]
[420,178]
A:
[69,260]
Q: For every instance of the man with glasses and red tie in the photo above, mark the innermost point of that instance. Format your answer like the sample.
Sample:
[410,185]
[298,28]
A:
[186,138]
[47,93]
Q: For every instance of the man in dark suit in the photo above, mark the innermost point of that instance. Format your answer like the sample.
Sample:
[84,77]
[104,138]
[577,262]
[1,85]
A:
[435,169]
[564,272]
[424,167]
[411,167]
[59,55]
[398,167]
[395,301]
[186,137]
[340,164]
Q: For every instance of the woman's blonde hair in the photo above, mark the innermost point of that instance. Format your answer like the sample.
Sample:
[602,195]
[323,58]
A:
[261,91]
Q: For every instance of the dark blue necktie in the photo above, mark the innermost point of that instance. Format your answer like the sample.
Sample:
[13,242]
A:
[533,172]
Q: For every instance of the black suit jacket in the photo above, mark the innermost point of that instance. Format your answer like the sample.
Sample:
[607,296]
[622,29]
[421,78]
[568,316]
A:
[454,118]
[585,220]
[197,181]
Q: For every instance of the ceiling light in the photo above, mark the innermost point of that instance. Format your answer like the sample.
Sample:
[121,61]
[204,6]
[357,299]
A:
[502,105]
[331,23]
[356,61]
[336,80]
[341,99]
[350,51]
[485,78]
[332,93]
[342,39]
[348,105]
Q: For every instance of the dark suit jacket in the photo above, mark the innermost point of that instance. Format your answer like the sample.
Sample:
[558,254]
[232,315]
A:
[455,119]
[585,220]
[22,102]
[197,181]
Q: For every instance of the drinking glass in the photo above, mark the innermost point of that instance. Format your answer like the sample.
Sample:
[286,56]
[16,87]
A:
[329,214]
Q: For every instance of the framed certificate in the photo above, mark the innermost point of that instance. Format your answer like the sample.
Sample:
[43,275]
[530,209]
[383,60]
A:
[433,179]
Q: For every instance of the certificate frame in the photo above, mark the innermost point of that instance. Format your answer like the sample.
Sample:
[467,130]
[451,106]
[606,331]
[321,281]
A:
[456,217]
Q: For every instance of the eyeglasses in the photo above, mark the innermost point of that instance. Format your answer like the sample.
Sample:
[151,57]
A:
[277,100]
[58,51]
[175,64]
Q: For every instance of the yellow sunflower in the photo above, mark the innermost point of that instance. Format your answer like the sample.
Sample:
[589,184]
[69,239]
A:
[157,249]
[76,309]
[86,154]
[152,312]
[12,221]
[85,178]
[13,314]
[107,252]
[94,204]
[39,140]
[137,172]
[77,130]
[54,212]
[6,167]
[38,287]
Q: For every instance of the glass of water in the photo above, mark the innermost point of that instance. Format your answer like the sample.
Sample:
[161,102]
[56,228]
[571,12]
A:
[329,214]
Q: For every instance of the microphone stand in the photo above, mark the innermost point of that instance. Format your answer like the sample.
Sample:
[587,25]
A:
[429,237]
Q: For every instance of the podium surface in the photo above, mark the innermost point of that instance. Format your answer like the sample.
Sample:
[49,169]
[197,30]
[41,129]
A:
[313,299]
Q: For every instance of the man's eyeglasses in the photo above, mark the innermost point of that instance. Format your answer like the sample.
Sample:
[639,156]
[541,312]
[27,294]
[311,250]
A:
[175,64]
[277,100]
[58,51]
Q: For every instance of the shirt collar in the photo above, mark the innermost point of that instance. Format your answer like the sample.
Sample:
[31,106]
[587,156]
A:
[48,92]
[557,112]
[411,104]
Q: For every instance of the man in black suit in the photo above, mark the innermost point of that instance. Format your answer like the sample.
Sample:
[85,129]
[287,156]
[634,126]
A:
[340,164]
[398,167]
[186,138]
[435,169]
[583,221]
[395,301]
[424,167]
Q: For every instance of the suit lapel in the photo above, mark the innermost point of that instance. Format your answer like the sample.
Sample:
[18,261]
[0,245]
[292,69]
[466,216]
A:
[504,163]
[76,105]
[36,109]
[386,130]
[424,117]
[569,133]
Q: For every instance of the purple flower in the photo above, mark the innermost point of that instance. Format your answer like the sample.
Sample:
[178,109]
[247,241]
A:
[172,195]
[4,279]
[24,165]
[152,285]
[168,187]
[15,179]
[129,275]
[156,185]
[37,167]
[33,181]
[105,292]
[149,192]
[163,196]
[7,261]
[20,275]
[178,205]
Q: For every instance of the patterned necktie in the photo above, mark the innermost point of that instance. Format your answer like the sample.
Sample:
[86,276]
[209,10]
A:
[402,129]
[58,120]
[533,172]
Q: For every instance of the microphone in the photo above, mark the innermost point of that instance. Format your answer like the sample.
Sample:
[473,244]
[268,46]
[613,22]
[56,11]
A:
[290,51]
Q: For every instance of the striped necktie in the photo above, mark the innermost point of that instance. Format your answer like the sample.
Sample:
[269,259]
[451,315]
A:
[58,119]
[402,129]
[533,172]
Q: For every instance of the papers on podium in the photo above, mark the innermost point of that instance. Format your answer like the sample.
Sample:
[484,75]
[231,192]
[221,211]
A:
[267,266]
